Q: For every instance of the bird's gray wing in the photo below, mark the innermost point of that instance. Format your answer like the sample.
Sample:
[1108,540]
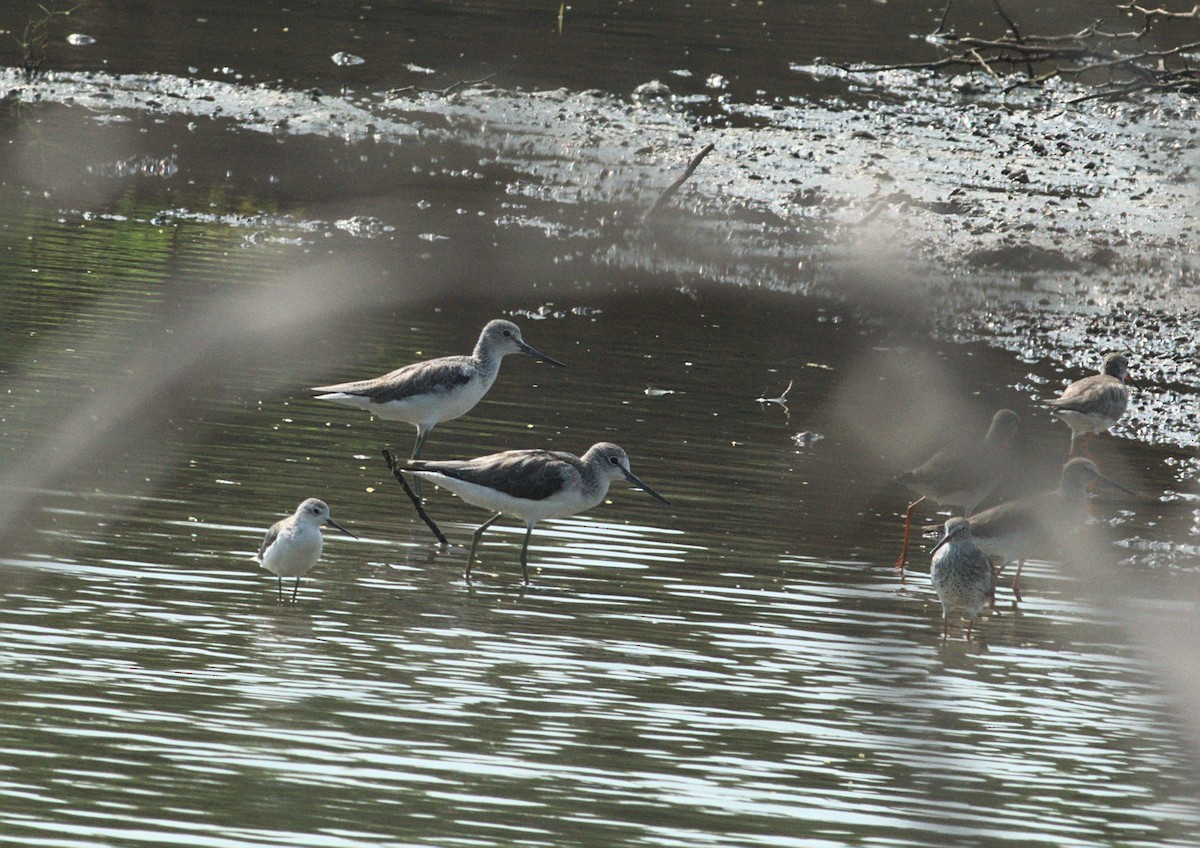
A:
[271,536]
[411,380]
[1100,394]
[1024,516]
[947,471]
[528,474]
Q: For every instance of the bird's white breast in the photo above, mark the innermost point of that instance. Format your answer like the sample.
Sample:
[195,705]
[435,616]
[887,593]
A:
[294,552]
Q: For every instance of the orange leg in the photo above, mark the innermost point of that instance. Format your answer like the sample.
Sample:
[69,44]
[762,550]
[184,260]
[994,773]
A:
[996,572]
[908,514]
[1016,584]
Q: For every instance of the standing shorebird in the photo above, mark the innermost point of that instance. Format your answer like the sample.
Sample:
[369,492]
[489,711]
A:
[1016,529]
[426,393]
[293,545]
[961,477]
[531,485]
[1094,403]
[962,574]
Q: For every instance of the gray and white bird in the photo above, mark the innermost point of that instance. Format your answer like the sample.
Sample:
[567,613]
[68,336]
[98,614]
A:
[962,477]
[962,574]
[426,393]
[293,545]
[1095,403]
[1020,528]
[531,485]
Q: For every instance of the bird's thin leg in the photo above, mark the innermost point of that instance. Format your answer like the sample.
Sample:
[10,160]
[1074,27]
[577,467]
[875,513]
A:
[970,624]
[908,514]
[1016,584]
[295,589]
[422,433]
[945,623]
[524,552]
[278,589]
[475,543]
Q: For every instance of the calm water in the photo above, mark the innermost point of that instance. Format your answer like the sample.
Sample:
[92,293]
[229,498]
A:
[741,668]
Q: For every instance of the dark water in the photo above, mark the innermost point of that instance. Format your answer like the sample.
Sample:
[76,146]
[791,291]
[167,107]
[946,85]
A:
[740,668]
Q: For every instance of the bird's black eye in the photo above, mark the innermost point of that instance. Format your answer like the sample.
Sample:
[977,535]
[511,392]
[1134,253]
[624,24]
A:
[614,460]
[507,333]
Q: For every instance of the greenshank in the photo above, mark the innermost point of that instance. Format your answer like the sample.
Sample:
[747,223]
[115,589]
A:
[425,394]
[531,485]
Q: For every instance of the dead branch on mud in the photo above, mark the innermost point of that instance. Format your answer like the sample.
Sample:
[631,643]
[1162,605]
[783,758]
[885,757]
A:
[440,92]
[670,190]
[1118,63]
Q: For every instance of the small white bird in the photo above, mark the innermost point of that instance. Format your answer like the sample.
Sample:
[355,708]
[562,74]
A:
[293,545]
[426,393]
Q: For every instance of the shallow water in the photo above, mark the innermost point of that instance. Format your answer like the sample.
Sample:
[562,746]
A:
[739,668]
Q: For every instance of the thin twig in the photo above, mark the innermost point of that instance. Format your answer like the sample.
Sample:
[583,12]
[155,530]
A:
[394,467]
[1016,31]
[441,92]
[670,190]
[1086,51]
[974,54]
[941,27]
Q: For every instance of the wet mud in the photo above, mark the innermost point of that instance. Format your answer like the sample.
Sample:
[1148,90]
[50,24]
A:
[1022,219]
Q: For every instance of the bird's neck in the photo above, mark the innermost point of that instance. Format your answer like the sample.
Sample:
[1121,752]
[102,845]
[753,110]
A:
[487,359]
[595,481]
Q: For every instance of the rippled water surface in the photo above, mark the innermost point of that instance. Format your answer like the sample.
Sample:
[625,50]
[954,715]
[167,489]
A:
[740,668]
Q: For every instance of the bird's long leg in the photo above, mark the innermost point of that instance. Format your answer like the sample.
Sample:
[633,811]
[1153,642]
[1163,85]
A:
[945,623]
[908,514]
[995,577]
[279,589]
[1016,584]
[475,543]
[1071,453]
[295,589]
[422,434]
[524,553]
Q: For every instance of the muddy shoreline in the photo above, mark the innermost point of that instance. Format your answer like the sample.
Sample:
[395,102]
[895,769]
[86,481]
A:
[1020,220]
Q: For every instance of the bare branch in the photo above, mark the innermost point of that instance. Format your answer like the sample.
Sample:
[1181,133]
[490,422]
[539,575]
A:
[1131,64]
[670,190]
